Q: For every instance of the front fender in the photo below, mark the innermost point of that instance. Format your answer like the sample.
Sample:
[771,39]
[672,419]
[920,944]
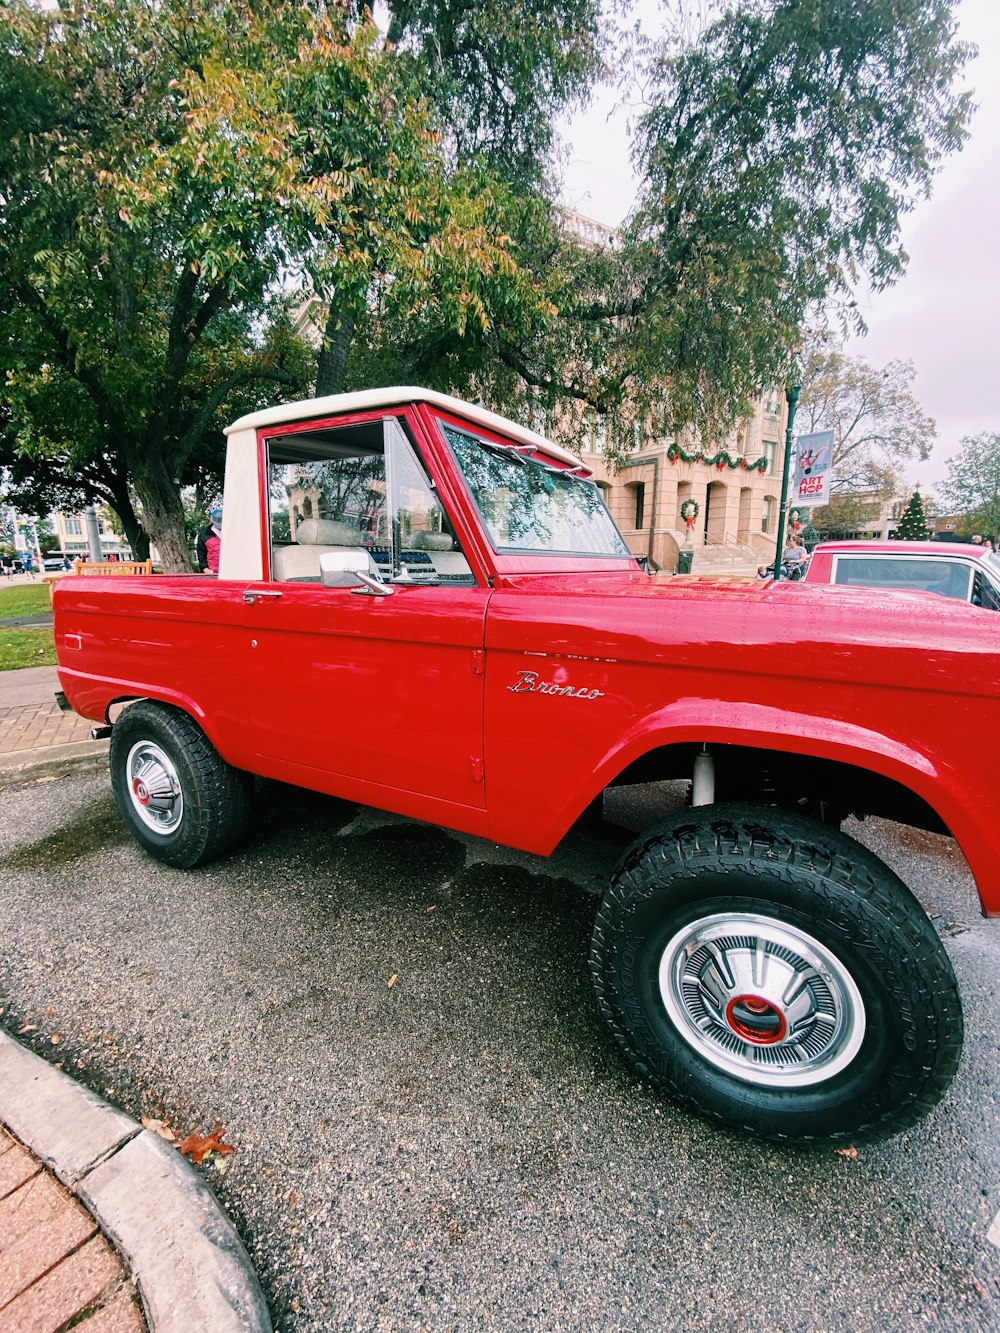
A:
[942,784]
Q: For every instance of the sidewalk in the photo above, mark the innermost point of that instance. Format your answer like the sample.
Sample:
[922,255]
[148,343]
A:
[36,737]
[56,1269]
[174,1252]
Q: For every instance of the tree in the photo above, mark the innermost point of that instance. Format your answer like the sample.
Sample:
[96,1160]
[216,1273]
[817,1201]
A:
[878,427]
[781,149]
[877,422]
[783,143]
[162,171]
[912,526]
[972,487]
[497,75]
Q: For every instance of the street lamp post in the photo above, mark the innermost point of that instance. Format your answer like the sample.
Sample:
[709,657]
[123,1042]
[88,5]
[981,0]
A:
[93,533]
[792,392]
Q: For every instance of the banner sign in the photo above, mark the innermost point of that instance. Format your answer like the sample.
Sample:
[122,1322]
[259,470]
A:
[813,469]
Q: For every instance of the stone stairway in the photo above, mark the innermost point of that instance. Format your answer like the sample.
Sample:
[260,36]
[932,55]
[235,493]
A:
[733,559]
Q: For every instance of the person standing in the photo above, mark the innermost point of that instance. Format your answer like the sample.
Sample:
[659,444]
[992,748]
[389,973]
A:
[210,544]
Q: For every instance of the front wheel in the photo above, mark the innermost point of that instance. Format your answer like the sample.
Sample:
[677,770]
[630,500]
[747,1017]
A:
[775,975]
[178,796]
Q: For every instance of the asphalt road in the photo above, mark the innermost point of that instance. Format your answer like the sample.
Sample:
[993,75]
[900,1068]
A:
[465,1148]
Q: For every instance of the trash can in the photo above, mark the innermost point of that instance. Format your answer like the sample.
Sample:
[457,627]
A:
[684,561]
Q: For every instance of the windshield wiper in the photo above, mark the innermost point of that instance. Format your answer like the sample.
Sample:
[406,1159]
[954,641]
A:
[512,452]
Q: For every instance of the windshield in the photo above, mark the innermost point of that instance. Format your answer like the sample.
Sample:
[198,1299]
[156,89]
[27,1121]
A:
[529,505]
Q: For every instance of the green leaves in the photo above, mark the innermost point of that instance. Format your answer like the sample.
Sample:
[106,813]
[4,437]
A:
[167,171]
[781,149]
[973,485]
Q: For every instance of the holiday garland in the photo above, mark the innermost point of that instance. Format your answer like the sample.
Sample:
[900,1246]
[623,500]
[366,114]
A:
[720,460]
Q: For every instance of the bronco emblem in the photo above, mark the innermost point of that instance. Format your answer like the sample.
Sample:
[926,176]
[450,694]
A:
[528,683]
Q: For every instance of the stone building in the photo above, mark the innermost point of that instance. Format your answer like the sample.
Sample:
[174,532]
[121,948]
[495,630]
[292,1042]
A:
[736,487]
[735,484]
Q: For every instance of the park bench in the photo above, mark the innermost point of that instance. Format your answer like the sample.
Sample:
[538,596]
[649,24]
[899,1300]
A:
[103,567]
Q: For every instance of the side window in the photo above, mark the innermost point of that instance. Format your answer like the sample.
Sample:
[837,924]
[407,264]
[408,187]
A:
[360,487]
[944,577]
[984,593]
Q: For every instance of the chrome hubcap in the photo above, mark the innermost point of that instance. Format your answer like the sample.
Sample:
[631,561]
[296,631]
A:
[762,1000]
[154,787]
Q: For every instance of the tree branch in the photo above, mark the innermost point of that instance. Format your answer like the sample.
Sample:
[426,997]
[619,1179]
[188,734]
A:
[187,442]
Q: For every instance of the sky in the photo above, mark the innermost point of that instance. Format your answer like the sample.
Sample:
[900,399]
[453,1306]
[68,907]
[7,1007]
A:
[944,314]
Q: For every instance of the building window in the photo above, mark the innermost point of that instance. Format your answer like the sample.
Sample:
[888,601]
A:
[74,526]
[770,448]
[767,517]
[640,504]
[771,404]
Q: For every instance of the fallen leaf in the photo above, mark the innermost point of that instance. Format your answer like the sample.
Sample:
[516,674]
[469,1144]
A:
[198,1146]
[56,1038]
[159,1127]
[28,1027]
[432,908]
[392,980]
[293,1198]
[850,1153]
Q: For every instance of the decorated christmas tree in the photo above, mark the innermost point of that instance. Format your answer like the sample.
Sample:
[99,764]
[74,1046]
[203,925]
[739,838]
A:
[913,525]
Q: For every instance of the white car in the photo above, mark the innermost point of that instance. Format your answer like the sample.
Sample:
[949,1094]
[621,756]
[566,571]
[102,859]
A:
[966,572]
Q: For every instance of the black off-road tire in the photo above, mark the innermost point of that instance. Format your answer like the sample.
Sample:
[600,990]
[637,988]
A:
[720,894]
[177,796]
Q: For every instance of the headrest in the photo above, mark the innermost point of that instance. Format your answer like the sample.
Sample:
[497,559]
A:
[327,532]
[430,541]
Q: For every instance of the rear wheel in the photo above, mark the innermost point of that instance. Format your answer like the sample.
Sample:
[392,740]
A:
[179,798]
[775,975]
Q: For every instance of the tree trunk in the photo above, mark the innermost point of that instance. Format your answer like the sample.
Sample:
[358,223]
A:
[135,534]
[331,370]
[163,515]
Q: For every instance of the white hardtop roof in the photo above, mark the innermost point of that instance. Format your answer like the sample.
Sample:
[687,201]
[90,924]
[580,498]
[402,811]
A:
[337,403]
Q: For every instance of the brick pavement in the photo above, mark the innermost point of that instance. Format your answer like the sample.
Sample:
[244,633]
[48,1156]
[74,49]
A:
[56,1270]
[37,725]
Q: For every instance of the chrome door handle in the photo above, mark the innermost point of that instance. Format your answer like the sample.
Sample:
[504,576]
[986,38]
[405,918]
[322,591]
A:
[251,596]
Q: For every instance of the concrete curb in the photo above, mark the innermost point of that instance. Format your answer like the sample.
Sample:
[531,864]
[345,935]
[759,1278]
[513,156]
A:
[52,761]
[189,1265]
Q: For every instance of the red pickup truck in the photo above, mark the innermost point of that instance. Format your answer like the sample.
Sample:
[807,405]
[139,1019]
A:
[426,608]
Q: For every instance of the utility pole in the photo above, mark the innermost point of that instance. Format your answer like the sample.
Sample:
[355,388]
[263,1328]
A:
[792,391]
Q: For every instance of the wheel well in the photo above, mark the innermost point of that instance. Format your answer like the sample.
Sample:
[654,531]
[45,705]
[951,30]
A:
[825,787]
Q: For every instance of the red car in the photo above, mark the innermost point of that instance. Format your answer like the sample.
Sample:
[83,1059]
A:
[966,572]
[494,659]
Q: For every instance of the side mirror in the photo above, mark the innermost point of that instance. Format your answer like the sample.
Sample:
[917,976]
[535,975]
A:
[352,567]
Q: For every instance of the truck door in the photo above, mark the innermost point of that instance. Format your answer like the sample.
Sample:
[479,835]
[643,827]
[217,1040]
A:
[351,692]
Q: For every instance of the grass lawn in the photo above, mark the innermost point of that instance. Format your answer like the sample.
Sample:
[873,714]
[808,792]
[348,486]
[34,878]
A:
[27,647]
[24,599]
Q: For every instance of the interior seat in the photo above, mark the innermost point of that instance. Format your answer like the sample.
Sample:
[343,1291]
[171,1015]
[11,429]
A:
[299,563]
[440,548]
